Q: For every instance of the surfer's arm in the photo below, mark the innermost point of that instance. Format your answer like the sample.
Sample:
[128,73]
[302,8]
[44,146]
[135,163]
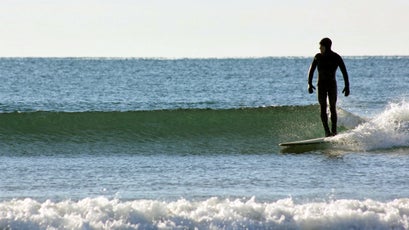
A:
[311,75]
[345,75]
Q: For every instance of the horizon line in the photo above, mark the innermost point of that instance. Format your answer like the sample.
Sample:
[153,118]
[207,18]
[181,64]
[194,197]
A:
[192,57]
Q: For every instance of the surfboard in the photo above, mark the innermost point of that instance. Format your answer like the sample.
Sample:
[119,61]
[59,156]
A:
[314,141]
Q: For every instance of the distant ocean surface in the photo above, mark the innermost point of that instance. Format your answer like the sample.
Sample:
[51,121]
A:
[116,143]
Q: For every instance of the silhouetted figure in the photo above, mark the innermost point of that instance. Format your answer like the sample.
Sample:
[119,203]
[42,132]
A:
[327,62]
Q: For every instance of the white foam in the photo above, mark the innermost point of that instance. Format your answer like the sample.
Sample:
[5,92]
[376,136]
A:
[213,213]
[390,129]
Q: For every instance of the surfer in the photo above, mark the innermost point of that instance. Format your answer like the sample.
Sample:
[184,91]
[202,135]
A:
[327,62]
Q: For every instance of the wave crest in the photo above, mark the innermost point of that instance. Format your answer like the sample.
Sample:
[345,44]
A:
[389,129]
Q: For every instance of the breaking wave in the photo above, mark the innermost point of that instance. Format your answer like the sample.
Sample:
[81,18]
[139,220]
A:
[389,129]
[213,213]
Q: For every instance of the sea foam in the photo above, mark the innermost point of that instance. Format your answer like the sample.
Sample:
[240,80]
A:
[389,129]
[213,213]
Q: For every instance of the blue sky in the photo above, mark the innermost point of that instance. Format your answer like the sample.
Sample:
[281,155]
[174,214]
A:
[201,28]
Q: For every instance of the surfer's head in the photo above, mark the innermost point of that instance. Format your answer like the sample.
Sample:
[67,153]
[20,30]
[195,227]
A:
[325,45]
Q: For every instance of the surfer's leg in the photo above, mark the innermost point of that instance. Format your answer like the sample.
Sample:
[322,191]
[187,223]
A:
[332,98]
[322,99]
[324,119]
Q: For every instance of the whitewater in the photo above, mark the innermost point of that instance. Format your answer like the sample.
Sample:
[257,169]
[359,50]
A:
[115,143]
[213,213]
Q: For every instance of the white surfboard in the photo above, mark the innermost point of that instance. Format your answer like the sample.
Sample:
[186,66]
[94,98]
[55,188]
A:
[314,141]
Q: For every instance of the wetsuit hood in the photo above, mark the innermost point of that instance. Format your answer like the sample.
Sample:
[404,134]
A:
[327,43]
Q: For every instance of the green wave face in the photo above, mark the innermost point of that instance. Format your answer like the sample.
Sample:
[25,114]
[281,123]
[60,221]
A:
[256,130]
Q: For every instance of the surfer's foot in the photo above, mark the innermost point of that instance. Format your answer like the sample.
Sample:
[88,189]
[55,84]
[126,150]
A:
[334,131]
[328,134]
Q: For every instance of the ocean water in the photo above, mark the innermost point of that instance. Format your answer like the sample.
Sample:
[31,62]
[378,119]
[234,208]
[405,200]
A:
[115,143]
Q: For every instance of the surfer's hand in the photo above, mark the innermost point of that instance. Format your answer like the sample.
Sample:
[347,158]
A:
[311,88]
[346,91]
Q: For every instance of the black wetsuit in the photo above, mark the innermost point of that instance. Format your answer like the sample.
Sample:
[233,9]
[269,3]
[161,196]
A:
[327,64]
